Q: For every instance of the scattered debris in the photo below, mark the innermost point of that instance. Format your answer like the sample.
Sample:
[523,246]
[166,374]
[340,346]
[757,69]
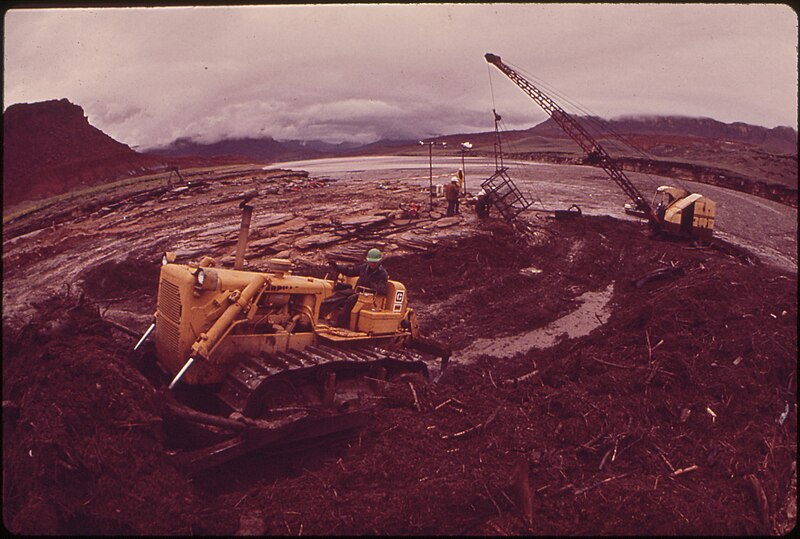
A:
[688,469]
[568,213]
[587,402]
[530,271]
[784,415]
[660,273]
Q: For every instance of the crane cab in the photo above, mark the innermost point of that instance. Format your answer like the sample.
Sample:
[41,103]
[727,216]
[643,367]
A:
[680,212]
[684,214]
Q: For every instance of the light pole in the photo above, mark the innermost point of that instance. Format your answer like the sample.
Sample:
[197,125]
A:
[464,147]
[430,166]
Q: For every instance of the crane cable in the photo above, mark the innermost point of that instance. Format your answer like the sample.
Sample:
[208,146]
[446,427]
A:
[491,87]
[605,128]
[502,125]
[601,126]
[498,148]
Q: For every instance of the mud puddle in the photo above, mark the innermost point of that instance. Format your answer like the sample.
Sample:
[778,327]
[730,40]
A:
[592,313]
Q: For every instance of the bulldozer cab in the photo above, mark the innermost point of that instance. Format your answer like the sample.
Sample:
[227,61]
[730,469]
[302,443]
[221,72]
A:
[373,314]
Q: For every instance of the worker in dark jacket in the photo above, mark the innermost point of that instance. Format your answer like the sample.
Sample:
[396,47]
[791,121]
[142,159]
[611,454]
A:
[371,274]
[482,205]
[451,192]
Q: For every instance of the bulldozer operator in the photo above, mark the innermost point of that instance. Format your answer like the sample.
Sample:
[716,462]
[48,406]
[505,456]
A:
[371,274]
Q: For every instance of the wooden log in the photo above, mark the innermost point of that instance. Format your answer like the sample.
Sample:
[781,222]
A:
[760,498]
[329,390]
[659,273]
[520,482]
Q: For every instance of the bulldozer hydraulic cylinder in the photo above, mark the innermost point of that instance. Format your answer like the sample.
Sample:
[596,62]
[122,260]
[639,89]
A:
[181,372]
[209,340]
[146,334]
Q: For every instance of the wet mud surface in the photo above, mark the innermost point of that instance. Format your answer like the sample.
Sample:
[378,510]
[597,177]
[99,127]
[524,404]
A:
[673,412]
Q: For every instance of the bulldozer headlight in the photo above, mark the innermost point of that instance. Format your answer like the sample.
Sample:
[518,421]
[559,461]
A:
[206,278]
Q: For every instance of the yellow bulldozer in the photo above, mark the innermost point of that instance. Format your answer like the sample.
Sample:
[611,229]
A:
[265,345]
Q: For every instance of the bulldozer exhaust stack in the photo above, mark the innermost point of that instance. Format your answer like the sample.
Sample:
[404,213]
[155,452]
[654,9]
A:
[244,231]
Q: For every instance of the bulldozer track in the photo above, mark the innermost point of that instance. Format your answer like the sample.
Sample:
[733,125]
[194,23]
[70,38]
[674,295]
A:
[305,373]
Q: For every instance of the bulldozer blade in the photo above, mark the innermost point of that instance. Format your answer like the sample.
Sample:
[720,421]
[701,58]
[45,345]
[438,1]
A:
[294,432]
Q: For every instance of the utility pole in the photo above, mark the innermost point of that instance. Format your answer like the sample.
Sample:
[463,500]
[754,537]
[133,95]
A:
[464,147]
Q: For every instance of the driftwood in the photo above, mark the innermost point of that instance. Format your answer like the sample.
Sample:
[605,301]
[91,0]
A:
[413,240]
[353,253]
[317,240]
[122,328]
[523,377]
[661,273]
[479,426]
[520,482]
[363,222]
[270,219]
[606,480]
[257,246]
[760,498]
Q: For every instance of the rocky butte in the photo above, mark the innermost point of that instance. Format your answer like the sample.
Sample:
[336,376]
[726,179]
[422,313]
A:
[50,148]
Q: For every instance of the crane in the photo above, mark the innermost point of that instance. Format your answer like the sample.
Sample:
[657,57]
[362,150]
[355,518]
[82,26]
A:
[682,213]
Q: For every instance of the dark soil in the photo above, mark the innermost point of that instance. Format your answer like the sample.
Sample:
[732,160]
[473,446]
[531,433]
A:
[664,420]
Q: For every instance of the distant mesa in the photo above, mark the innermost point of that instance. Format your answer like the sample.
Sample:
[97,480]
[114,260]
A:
[778,139]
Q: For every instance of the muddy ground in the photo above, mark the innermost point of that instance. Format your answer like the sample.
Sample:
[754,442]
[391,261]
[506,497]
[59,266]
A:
[674,414]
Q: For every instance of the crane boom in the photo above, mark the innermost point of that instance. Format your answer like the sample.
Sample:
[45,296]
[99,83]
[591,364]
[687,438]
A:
[578,133]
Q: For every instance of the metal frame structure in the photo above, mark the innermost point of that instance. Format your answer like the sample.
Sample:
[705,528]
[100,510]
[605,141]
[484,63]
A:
[504,195]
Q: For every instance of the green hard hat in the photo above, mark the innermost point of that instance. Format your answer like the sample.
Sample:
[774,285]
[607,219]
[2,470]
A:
[374,255]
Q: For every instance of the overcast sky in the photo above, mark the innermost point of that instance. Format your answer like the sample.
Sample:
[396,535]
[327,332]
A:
[146,76]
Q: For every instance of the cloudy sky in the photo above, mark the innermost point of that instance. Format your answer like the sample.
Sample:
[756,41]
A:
[358,73]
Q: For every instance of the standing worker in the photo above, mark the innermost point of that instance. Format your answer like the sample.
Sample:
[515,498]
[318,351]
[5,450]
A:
[371,274]
[461,181]
[451,192]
